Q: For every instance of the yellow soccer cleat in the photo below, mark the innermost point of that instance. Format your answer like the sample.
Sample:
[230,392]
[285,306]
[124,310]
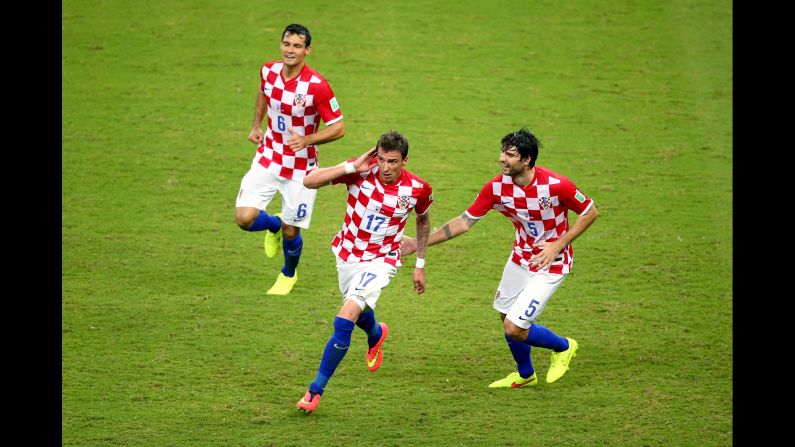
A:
[560,361]
[283,284]
[273,240]
[514,380]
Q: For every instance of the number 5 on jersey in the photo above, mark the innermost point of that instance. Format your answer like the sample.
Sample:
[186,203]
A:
[532,228]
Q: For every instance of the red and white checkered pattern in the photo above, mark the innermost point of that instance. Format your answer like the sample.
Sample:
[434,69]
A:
[299,103]
[539,212]
[376,215]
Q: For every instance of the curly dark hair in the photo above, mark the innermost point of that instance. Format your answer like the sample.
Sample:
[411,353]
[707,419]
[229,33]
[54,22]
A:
[525,142]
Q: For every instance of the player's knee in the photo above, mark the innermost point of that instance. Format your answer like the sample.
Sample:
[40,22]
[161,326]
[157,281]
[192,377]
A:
[353,307]
[244,219]
[243,223]
[290,232]
[514,331]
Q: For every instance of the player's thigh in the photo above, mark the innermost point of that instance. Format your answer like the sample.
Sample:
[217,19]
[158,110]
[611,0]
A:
[362,282]
[532,301]
[513,281]
[298,202]
[257,188]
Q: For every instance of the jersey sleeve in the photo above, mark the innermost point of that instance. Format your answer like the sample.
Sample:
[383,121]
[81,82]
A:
[425,199]
[573,199]
[483,203]
[327,105]
[262,70]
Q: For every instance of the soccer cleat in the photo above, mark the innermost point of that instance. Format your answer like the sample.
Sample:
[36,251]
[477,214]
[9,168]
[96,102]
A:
[560,361]
[283,285]
[514,380]
[308,403]
[273,240]
[375,355]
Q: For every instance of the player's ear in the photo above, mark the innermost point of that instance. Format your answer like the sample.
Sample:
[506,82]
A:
[308,50]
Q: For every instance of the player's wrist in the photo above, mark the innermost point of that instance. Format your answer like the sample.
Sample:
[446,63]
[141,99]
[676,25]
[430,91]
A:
[349,167]
[420,264]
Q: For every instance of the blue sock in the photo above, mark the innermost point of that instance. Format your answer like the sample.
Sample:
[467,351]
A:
[544,338]
[292,253]
[336,348]
[368,323]
[264,221]
[521,355]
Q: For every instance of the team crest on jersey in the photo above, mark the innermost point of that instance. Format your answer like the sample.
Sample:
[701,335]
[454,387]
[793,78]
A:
[300,100]
[545,203]
[403,202]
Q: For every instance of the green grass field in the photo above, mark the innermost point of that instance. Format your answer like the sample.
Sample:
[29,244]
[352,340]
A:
[168,338]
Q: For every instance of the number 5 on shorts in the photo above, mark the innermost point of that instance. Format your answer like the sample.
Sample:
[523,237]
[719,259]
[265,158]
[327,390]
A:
[531,309]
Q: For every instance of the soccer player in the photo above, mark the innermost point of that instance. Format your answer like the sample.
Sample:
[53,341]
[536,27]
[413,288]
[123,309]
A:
[295,99]
[537,201]
[381,195]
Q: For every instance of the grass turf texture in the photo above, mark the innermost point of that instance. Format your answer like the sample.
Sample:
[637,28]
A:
[168,337]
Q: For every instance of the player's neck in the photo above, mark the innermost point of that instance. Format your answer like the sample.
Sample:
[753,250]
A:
[525,177]
[291,72]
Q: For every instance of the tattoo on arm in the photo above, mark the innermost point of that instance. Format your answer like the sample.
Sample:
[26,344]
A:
[447,233]
[468,220]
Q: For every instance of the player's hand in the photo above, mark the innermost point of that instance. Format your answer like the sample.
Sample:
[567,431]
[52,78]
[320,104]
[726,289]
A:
[419,281]
[296,142]
[363,163]
[407,245]
[547,255]
[256,135]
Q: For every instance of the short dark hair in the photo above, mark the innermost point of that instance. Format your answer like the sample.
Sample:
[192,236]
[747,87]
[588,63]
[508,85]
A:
[525,142]
[301,30]
[394,141]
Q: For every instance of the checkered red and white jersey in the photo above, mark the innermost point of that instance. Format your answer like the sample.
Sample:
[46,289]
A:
[539,212]
[299,103]
[376,215]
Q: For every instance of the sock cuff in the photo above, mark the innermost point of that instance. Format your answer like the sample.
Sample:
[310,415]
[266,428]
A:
[294,243]
[341,324]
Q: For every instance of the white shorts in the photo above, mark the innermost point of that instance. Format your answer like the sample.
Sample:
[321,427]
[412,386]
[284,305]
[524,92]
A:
[259,186]
[362,281]
[522,295]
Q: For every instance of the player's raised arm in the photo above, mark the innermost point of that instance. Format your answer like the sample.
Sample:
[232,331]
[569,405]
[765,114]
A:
[323,176]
